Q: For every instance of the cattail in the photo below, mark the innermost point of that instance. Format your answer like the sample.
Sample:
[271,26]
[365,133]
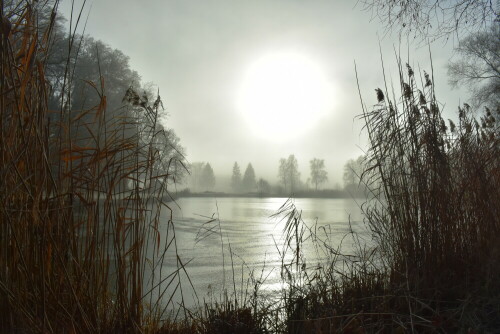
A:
[443,126]
[410,70]
[407,90]
[131,96]
[461,113]
[434,108]
[391,109]
[157,103]
[380,95]
[428,81]
[422,99]
[452,126]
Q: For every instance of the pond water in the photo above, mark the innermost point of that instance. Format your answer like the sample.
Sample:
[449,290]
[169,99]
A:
[224,242]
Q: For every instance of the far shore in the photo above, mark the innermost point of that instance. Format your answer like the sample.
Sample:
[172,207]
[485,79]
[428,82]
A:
[299,194]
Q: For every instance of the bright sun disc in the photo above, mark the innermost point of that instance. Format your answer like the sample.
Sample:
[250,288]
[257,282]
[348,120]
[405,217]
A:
[284,94]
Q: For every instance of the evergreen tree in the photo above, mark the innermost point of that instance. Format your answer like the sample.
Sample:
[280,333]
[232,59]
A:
[236,178]
[249,183]
[207,178]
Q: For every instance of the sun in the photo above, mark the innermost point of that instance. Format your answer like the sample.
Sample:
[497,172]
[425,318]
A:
[284,94]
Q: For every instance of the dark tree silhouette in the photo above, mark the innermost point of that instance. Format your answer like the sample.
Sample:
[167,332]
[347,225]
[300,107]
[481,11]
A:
[431,19]
[478,67]
[249,183]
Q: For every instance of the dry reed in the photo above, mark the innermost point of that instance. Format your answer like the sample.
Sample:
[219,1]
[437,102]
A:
[82,192]
[80,201]
[435,223]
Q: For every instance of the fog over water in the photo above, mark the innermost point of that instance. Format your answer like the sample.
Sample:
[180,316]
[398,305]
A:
[199,53]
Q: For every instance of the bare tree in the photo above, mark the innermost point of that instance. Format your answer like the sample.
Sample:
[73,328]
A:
[353,170]
[478,67]
[289,174]
[318,173]
[432,19]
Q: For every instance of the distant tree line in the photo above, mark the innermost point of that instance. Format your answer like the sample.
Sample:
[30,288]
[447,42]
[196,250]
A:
[355,178]
[244,184]
[202,176]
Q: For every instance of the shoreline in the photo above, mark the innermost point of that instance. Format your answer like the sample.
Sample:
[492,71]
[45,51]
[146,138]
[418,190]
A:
[330,194]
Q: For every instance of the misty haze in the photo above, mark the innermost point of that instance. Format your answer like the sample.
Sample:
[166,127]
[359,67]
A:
[259,166]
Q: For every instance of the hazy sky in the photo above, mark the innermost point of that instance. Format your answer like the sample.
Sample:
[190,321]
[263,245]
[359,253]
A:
[209,58]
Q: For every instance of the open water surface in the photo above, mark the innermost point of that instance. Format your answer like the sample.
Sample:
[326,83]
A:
[224,242]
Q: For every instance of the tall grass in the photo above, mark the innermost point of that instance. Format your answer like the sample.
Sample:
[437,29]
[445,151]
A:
[82,191]
[80,201]
[438,222]
[434,261]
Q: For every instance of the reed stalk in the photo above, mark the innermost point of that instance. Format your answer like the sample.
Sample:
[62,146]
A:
[81,198]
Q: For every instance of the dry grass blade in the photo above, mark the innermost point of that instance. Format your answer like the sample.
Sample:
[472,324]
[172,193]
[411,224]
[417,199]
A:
[80,202]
